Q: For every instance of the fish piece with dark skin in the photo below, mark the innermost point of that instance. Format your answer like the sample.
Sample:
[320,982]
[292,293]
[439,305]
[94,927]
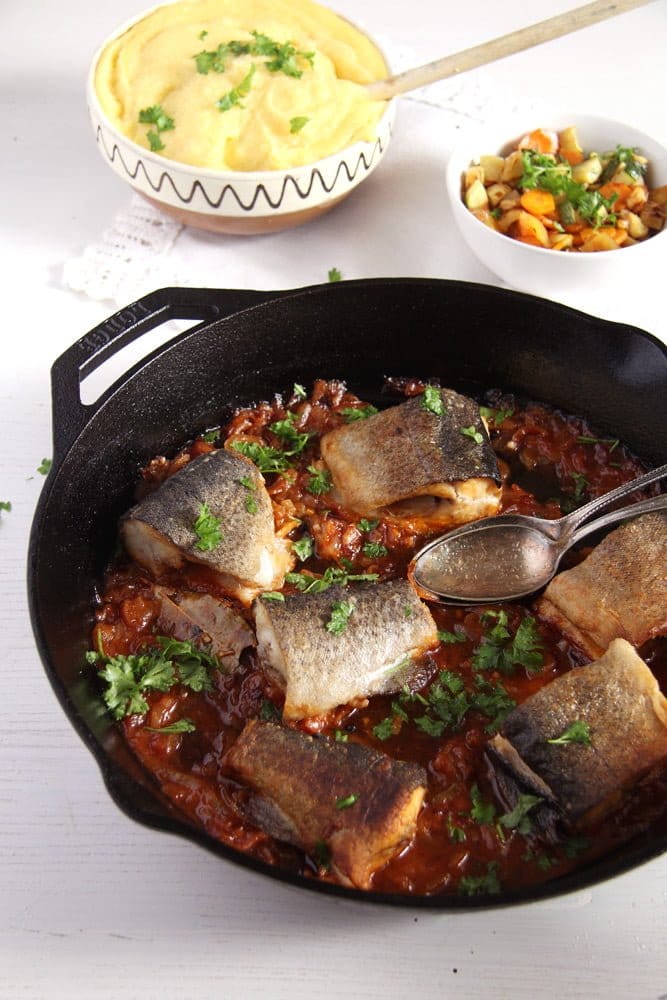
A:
[618,591]
[205,621]
[621,735]
[322,665]
[159,532]
[354,805]
[408,461]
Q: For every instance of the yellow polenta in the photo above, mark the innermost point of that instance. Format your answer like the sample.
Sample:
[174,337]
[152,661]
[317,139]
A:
[239,114]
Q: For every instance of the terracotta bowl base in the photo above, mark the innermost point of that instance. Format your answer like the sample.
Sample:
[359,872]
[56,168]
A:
[238,226]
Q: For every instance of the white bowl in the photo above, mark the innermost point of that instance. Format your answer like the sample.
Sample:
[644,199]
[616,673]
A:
[234,202]
[553,273]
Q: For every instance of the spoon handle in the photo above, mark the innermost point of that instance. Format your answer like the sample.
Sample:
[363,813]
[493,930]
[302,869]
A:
[498,48]
[569,524]
[623,514]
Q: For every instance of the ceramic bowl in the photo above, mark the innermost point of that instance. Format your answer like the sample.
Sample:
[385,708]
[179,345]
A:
[229,201]
[552,273]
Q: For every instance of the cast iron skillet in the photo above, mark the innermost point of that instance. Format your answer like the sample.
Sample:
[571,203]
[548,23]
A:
[247,346]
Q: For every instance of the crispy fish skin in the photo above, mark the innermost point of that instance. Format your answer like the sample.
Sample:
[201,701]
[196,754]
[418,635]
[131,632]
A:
[206,621]
[159,531]
[301,784]
[620,700]
[320,669]
[618,591]
[407,461]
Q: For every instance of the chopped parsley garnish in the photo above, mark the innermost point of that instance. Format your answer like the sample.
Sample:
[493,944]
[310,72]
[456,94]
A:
[5,505]
[479,885]
[352,413]
[286,430]
[575,845]
[319,481]
[384,729]
[155,668]
[623,158]
[233,97]
[281,56]
[612,442]
[268,711]
[482,812]
[577,732]
[202,35]
[309,584]
[299,391]
[303,547]
[273,595]
[365,526]
[322,856]
[156,115]
[432,400]
[346,801]
[266,458]
[334,274]
[517,818]
[45,466]
[251,504]
[297,123]
[374,550]
[448,702]
[207,529]
[211,436]
[340,615]
[340,736]
[499,651]
[182,726]
[496,417]
[473,434]
[575,499]
[456,833]
[451,637]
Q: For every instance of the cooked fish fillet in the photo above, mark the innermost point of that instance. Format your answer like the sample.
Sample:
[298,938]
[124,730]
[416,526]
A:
[315,793]
[620,701]
[618,591]
[320,669]
[409,462]
[160,531]
[206,621]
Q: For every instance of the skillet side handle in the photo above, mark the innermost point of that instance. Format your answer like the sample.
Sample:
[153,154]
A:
[69,414]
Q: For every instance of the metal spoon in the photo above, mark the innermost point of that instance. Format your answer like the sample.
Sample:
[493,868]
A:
[499,48]
[513,555]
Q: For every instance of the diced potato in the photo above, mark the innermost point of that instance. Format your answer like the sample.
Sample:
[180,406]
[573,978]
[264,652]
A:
[512,167]
[472,174]
[637,198]
[560,241]
[599,241]
[659,195]
[622,177]
[570,149]
[485,216]
[476,197]
[492,167]
[588,172]
[510,201]
[636,228]
[507,219]
[496,193]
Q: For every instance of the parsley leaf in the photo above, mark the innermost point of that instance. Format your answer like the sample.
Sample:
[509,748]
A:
[496,417]
[497,653]
[45,466]
[451,637]
[334,274]
[309,584]
[432,400]
[297,123]
[456,833]
[266,458]
[577,732]
[233,97]
[268,711]
[286,430]
[340,736]
[207,529]
[303,547]
[384,729]
[5,505]
[476,885]
[346,801]
[365,526]
[182,726]
[273,595]
[374,550]
[517,818]
[319,481]
[352,413]
[299,391]
[251,504]
[482,812]
[473,434]
[340,614]
[156,115]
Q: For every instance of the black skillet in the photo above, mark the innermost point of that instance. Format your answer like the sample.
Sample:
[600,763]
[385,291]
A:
[246,346]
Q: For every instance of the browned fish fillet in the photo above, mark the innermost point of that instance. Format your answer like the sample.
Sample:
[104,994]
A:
[619,701]
[160,531]
[206,621]
[357,804]
[410,462]
[387,624]
[618,591]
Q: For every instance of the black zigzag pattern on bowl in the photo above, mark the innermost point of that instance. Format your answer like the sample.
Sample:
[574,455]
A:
[363,162]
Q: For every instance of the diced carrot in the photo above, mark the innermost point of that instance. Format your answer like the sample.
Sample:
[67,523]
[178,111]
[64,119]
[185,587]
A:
[528,229]
[622,192]
[538,202]
[573,156]
[541,140]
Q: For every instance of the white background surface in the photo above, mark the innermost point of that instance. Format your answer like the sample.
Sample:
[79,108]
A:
[91,904]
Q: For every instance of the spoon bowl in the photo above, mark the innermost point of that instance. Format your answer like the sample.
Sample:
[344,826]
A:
[513,555]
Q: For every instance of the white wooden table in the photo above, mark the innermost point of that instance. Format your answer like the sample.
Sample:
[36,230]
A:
[93,905]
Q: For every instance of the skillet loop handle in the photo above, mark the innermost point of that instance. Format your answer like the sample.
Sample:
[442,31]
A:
[70,415]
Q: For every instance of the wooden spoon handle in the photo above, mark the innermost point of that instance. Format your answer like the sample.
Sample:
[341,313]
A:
[497,48]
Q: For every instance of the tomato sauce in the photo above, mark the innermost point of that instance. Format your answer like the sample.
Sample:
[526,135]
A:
[550,462]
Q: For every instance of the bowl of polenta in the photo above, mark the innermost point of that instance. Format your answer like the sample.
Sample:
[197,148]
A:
[240,116]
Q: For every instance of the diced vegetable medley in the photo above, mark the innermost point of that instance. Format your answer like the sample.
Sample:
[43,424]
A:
[549,193]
